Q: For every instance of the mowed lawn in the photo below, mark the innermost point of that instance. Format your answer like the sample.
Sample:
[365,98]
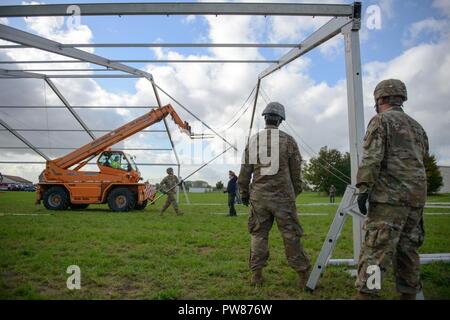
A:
[201,255]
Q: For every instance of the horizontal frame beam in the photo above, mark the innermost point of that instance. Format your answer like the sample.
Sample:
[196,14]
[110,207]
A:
[78,107]
[61,70]
[74,76]
[65,148]
[21,74]
[176,8]
[91,163]
[164,45]
[28,39]
[323,34]
[75,130]
[146,61]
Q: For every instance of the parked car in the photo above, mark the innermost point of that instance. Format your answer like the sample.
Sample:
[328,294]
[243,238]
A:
[29,188]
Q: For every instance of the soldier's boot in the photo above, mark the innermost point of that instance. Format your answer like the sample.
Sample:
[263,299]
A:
[303,277]
[364,296]
[407,296]
[257,277]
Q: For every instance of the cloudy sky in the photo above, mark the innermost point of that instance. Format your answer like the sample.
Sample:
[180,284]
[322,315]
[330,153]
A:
[412,44]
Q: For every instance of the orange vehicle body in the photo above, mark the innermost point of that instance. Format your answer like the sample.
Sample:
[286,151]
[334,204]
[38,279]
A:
[77,188]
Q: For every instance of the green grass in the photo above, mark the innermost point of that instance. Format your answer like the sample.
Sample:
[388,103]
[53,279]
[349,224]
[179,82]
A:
[140,255]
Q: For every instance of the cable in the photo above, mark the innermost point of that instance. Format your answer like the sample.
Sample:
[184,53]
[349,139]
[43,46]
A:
[263,92]
[242,107]
[192,114]
[194,172]
[321,160]
[240,116]
[311,149]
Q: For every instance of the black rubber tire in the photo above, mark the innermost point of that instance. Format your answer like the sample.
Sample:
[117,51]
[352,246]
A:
[56,198]
[78,206]
[121,199]
[141,206]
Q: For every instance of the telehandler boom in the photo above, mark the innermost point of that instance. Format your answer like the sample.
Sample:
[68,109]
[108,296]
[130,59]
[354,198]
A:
[63,185]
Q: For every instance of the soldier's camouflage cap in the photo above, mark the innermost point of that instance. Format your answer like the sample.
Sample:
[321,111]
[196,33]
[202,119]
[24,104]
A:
[390,87]
[275,108]
[169,170]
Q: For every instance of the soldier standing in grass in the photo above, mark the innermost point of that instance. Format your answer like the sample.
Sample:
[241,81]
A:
[392,177]
[332,193]
[272,194]
[168,186]
[231,190]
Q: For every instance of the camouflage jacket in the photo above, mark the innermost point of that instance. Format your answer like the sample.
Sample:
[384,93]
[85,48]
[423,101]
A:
[284,182]
[169,182]
[392,169]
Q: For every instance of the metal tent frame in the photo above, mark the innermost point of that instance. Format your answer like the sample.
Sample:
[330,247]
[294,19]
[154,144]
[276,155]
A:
[344,19]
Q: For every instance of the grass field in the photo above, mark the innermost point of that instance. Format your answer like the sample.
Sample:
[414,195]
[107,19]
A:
[201,255]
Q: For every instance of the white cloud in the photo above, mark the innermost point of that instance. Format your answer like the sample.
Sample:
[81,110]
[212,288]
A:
[430,27]
[424,70]
[443,5]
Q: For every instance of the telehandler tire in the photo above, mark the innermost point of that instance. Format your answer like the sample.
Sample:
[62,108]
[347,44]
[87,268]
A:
[121,199]
[56,198]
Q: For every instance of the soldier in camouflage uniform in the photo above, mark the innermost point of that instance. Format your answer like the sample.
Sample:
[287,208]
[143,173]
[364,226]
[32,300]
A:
[272,196]
[392,177]
[168,186]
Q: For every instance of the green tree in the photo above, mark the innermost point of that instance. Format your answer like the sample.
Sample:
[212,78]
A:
[323,171]
[434,176]
[219,185]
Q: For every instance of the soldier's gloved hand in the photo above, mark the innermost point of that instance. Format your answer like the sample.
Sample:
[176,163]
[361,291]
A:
[180,183]
[362,202]
[245,201]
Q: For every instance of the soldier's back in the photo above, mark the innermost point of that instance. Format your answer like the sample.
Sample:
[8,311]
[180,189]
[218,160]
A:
[402,177]
[272,178]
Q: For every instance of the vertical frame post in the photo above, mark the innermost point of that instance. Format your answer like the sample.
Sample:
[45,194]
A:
[355,115]
[158,100]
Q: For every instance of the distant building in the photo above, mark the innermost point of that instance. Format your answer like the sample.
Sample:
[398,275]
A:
[16,179]
[200,189]
[445,172]
[198,186]
[7,182]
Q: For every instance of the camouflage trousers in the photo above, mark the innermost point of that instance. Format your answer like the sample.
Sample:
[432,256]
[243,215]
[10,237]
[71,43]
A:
[171,200]
[262,215]
[393,236]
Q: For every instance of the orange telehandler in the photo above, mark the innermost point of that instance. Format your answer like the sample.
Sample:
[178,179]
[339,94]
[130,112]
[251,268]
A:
[118,181]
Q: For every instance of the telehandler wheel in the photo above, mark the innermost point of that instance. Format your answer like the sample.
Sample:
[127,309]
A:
[121,199]
[78,206]
[141,206]
[56,198]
